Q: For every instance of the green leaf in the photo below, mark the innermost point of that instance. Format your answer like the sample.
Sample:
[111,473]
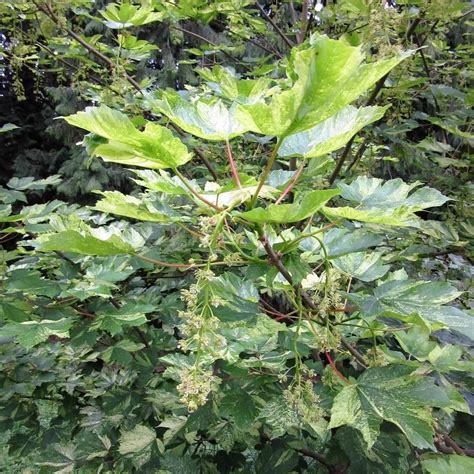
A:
[129,315]
[177,463]
[330,75]
[238,195]
[121,352]
[132,48]
[362,265]
[446,464]
[128,206]
[416,341]
[391,393]
[30,183]
[155,147]
[225,82]
[136,440]
[391,453]
[126,15]
[425,298]
[161,182]
[31,282]
[239,405]
[210,120]
[385,203]
[341,241]
[31,333]
[331,134]
[276,458]
[447,358]
[88,244]
[8,127]
[287,213]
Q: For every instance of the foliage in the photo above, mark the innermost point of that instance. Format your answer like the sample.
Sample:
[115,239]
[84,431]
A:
[284,286]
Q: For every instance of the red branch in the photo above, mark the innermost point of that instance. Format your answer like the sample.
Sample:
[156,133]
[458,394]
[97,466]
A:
[232,164]
[336,370]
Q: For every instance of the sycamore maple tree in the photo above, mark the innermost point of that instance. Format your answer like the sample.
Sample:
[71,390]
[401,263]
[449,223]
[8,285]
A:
[254,304]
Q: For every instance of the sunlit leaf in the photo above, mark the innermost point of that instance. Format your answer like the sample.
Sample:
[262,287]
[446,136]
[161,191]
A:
[85,244]
[120,204]
[444,464]
[154,147]
[385,203]
[8,127]
[364,266]
[211,120]
[328,75]
[331,134]
[126,15]
[425,298]
[286,213]
[136,440]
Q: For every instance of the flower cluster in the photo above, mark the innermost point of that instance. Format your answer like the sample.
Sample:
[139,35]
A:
[195,386]
[327,339]
[302,400]
[199,330]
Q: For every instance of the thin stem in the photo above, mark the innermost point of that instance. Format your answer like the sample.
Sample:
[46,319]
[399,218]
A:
[168,264]
[309,234]
[317,457]
[335,369]
[304,22]
[265,174]
[228,232]
[308,302]
[202,38]
[292,183]
[450,442]
[194,233]
[194,192]
[206,162]
[235,174]
[275,26]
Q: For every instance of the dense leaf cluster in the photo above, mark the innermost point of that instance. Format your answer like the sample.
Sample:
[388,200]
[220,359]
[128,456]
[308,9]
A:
[283,286]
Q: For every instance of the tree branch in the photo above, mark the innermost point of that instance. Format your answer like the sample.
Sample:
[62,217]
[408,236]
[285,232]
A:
[48,11]
[289,43]
[307,301]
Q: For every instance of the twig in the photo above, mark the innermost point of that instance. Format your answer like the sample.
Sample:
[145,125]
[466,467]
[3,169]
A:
[289,43]
[194,192]
[456,448]
[335,369]
[292,183]
[199,153]
[378,87]
[235,174]
[308,302]
[360,151]
[206,162]
[206,40]
[266,172]
[304,22]
[48,11]
[168,264]
[316,456]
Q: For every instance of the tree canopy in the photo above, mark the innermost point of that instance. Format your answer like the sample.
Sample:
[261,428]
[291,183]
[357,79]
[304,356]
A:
[236,236]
